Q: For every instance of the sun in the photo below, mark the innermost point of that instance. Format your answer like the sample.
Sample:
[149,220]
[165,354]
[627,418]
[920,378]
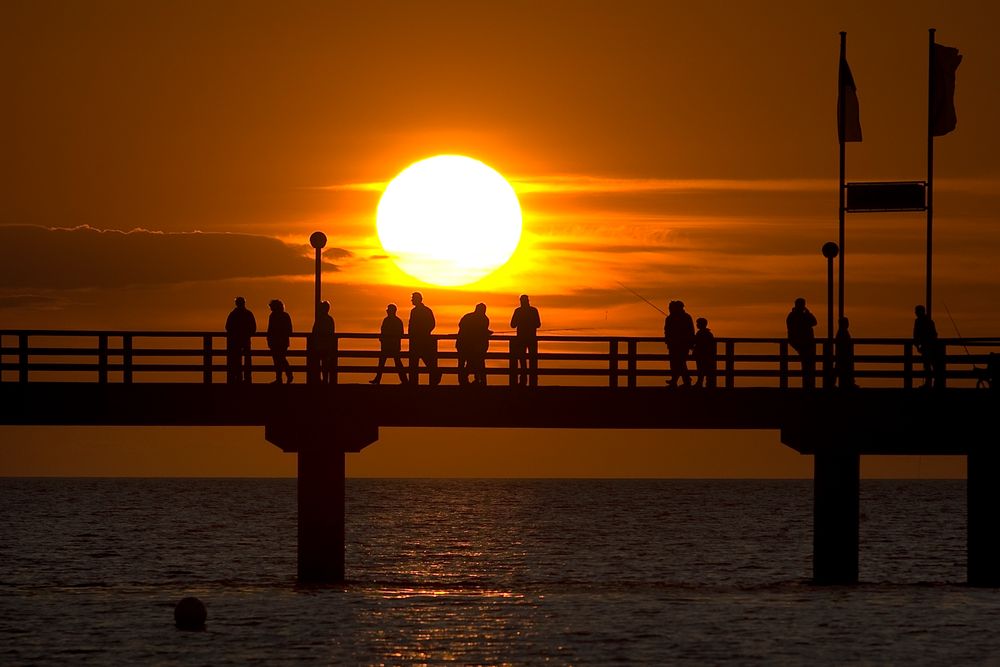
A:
[449,220]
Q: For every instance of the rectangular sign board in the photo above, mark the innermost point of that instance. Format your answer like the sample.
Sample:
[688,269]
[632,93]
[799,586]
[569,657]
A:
[898,196]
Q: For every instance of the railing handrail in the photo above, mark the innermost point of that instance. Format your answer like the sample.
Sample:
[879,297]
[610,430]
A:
[602,338]
[118,356]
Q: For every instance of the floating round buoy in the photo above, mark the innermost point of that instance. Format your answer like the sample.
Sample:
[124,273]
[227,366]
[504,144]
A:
[190,614]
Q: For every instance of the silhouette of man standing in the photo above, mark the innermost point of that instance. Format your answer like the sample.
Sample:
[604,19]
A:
[678,334]
[925,339]
[844,347]
[240,327]
[705,354]
[389,342]
[800,323]
[472,343]
[423,346]
[524,346]
[324,342]
[279,333]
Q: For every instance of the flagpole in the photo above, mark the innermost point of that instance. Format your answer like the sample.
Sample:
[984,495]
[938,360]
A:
[930,167]
[843,157]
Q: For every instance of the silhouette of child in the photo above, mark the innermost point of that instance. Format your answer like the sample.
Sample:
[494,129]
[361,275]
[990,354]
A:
[704,354]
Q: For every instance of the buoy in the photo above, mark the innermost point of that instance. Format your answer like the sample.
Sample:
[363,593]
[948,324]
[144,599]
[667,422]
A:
[190,614]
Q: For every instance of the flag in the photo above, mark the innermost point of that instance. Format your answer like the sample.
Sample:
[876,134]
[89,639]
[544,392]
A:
[848,112]
[944,63]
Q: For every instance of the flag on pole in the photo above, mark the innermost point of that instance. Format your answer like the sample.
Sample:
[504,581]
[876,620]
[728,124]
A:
[848,112]
[944,63]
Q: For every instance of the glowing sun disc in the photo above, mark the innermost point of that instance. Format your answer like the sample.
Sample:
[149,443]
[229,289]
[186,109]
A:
[449,220]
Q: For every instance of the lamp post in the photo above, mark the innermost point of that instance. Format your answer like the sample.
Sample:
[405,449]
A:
[318,241]
[830,251]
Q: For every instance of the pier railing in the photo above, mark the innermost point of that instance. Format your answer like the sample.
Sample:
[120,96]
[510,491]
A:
[615,361]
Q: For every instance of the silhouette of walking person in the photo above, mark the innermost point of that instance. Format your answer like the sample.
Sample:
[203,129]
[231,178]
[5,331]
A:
[705,354]
[678,334]
[390,337]
[279,333]
[925,339]
[423,346]
[472,343]
[240,327]
[844,355]
[800,323]
[324,342]
[524,347]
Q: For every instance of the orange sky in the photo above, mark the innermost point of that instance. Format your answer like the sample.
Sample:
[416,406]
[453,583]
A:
[687,150]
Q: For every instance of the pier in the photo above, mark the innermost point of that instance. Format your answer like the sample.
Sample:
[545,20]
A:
[178,378]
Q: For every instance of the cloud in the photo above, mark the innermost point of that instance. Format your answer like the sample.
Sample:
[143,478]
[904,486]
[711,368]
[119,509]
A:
[36,301]
[84,257]
[583,184]
[605,185]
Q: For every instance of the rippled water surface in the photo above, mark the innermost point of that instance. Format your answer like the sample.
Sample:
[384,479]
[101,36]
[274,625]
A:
[484,572]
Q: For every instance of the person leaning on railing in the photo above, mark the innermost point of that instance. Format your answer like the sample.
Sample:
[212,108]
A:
[323,342]
[279,334]
[524,346]
[240,327]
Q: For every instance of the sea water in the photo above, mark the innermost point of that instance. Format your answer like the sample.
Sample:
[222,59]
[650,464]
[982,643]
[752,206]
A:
[484,572]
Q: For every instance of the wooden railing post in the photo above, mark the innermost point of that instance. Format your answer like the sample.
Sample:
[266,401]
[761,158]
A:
[613,362]
[783,364]
[335,353]
[730,364]
[102,358]
[207,358]
[511,363]
[941,367]
[127,358]
[22,358]
[908,365]
[828,366]
[633,363]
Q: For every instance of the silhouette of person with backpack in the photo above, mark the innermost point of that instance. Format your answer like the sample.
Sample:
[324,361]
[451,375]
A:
[844,355]
[324,342]
[240,328]
[390,337]
[423,346]
[925,339]
[678,334]
[279,333]
[472,343]
[800,323]
[705,354]
[524,346]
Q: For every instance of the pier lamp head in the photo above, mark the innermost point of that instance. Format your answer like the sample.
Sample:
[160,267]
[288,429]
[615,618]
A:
[318,240]
[830,250]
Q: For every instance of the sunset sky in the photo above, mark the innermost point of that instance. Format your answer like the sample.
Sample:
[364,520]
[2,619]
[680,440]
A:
[162,157]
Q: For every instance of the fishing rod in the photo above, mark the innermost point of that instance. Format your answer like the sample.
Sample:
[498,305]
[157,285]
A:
[633,292]
[955,326]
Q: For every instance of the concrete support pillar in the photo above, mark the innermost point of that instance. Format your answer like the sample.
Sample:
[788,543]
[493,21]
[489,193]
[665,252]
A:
[836,482]
[321,515]
[983,489]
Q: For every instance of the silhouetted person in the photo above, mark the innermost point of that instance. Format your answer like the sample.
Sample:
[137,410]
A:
[389,338]
[925,339]
[800,323]
[705,354]
[240,327]
[844,351]
[324,342]
[423,346]
[472,343]
[279,333]
[524,347]
[678,334]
